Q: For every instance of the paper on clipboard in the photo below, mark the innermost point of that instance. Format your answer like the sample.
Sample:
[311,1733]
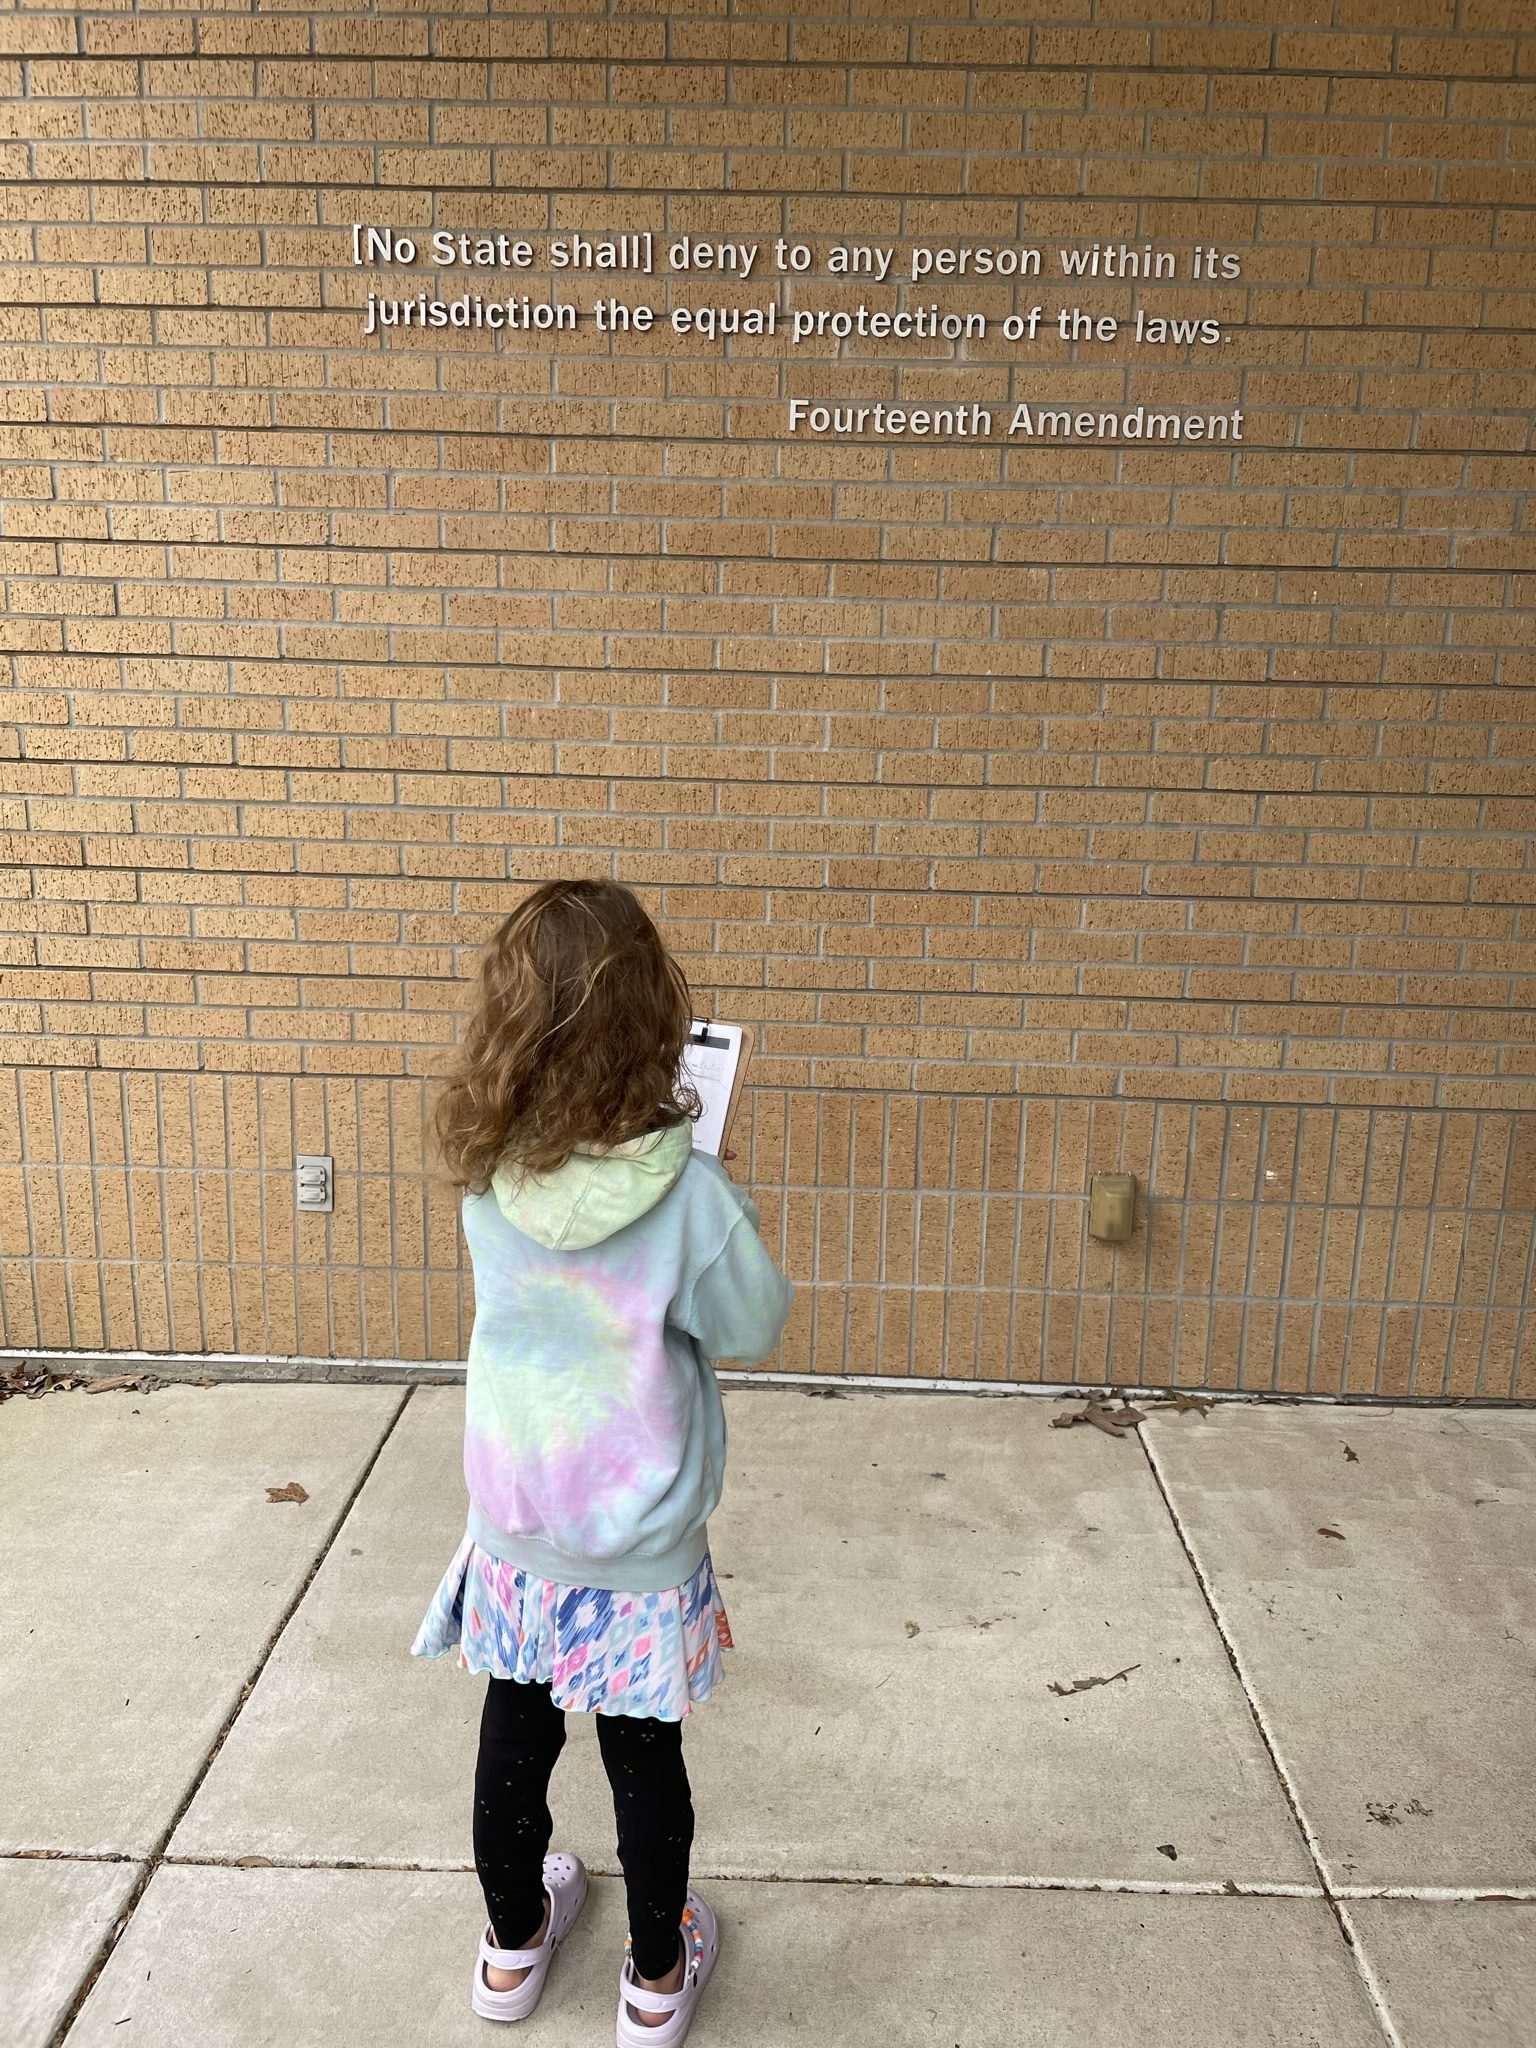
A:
[715,1060]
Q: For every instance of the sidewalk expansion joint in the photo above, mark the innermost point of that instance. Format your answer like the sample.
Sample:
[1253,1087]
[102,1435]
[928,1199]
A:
[1336,1898]
[888,1880]
[156,1857]
[69,1856]
[896,1880]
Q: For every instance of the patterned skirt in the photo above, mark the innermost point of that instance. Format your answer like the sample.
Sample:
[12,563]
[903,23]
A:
[650,1654]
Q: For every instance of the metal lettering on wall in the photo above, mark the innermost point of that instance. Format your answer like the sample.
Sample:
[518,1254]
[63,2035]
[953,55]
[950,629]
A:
[1166,325]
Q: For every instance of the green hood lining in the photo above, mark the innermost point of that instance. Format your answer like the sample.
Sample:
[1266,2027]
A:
[596,1193]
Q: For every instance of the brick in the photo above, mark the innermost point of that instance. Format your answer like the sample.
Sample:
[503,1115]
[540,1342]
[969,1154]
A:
[1145,806]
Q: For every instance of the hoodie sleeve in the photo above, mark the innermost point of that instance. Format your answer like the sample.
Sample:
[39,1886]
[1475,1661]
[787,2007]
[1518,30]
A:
[737,1304]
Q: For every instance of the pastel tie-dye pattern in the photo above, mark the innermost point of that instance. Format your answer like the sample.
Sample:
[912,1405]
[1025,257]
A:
[652,1654]
[595,1436]
[576,1420]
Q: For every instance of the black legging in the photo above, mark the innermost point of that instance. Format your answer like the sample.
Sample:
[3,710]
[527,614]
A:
[522,1733]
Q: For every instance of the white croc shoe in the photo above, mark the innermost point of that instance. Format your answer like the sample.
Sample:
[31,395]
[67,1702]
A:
[701,1943]
[565,1881]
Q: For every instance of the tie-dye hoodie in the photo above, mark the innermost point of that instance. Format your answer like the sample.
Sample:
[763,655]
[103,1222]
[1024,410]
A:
[595,1439]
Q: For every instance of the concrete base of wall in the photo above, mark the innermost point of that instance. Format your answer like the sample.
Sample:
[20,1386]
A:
[188,1366]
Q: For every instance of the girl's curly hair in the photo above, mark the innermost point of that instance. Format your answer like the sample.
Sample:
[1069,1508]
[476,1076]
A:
[576,1039]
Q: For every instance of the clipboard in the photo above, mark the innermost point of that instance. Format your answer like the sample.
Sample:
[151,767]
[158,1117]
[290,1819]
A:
[715,1061]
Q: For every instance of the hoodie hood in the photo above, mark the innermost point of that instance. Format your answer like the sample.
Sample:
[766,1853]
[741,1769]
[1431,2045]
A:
[595,1193]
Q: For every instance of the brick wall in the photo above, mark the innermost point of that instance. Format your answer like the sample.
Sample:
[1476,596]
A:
[1045,806]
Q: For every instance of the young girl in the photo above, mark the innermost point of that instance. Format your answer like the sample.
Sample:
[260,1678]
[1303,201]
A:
[611,1262]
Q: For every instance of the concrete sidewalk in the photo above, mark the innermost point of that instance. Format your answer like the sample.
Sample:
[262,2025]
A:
[1218,1733]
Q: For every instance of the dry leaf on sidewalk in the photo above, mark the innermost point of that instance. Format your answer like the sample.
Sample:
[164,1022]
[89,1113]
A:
[115,1383]
[1337,1534]
[292,1491]
[1113,1421]
[1184,1404]
[1063,1692]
